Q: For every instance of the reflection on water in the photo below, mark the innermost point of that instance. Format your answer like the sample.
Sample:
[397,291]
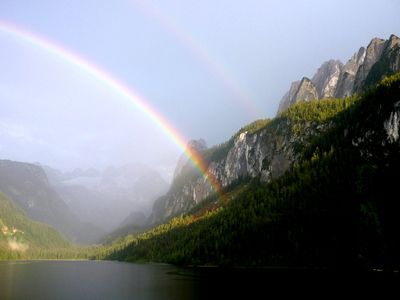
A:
[116,280]
[93,280]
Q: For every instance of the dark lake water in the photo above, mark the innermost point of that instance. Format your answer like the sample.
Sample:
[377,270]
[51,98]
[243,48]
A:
[93,280]
[115,280]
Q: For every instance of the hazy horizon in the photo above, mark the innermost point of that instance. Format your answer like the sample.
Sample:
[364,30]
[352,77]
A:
[209,68]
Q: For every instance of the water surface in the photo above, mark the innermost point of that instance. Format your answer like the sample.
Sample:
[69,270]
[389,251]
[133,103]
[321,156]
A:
[93,280]
[41,280]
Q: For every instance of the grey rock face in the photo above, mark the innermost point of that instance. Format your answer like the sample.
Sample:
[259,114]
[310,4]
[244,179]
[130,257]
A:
[387,64]
[327,77]
[346,81]
[306,91]
[392,51]
[270,152]
[322,85]
[392,124]
[287,99]
[303,90]
[267,153]
[364,69]
[373,53]
[196,145]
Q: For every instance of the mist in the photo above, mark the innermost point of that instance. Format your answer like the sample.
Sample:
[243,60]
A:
[203,70]
[68,123]
[182,149]
[203,81]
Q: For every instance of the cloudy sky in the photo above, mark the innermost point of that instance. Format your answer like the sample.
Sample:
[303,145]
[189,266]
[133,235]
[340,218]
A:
[208,67]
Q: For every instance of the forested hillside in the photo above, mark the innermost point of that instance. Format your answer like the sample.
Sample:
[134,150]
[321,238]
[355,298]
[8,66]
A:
[335,207]
[22,237]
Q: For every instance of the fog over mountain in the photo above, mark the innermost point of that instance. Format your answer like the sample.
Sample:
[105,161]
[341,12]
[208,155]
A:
[208,68]
[198,148]
[114,197]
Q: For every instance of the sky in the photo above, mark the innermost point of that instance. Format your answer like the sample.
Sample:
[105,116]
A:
[207,67]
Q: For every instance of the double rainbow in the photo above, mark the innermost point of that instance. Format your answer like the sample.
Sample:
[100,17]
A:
[195,48]
[119,88]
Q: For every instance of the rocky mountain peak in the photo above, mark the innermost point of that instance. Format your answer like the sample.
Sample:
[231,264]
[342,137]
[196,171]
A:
[365,68]
[303,90]
[197,145]
[393,41]
[355,61]
[391,45]
[374,50]
[192,146]
[326,78]
[306,90]
[286,100]
[361,55]
[345,83]
[372,55]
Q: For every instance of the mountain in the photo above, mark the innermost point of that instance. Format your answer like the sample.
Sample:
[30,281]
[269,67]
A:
[120,193]
[303,89]
[134,183]
[333,79]
[56,177]
[28,185]
[196,145]
[326,78]
[134,223]
[314,187]
[138,183]
[264,148]
[372,56]
[345,83]
[22,237]
[135,218]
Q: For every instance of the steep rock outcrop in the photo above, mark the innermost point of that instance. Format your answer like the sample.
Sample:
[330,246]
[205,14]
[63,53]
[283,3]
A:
[306,91]
[193,145]
[372,55]
[287,99]
[388,63]
[266,153]
[303,90]
[364,69]
[327,77]
[346,81]
[270,151]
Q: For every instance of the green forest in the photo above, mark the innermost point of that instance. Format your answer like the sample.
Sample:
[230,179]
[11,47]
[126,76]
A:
[335,207]
[23,238]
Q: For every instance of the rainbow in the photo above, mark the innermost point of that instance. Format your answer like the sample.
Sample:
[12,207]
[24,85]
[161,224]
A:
[119,88]
[230,83]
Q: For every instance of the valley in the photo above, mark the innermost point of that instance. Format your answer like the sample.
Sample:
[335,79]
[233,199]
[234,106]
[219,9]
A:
[145,154]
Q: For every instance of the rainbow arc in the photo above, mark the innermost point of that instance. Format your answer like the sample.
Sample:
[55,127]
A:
[197,50]
[116,86]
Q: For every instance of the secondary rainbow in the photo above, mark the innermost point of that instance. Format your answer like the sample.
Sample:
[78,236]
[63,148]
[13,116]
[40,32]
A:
[216,68]
[118,87]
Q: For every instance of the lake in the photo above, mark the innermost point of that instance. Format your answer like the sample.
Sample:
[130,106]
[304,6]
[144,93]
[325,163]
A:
[116,280]
[93,280]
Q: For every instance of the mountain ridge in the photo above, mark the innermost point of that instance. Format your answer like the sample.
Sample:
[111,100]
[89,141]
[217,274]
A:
[266,148]
[21,236]
[334,79]
[28,186]
[334,208]
[117,192]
